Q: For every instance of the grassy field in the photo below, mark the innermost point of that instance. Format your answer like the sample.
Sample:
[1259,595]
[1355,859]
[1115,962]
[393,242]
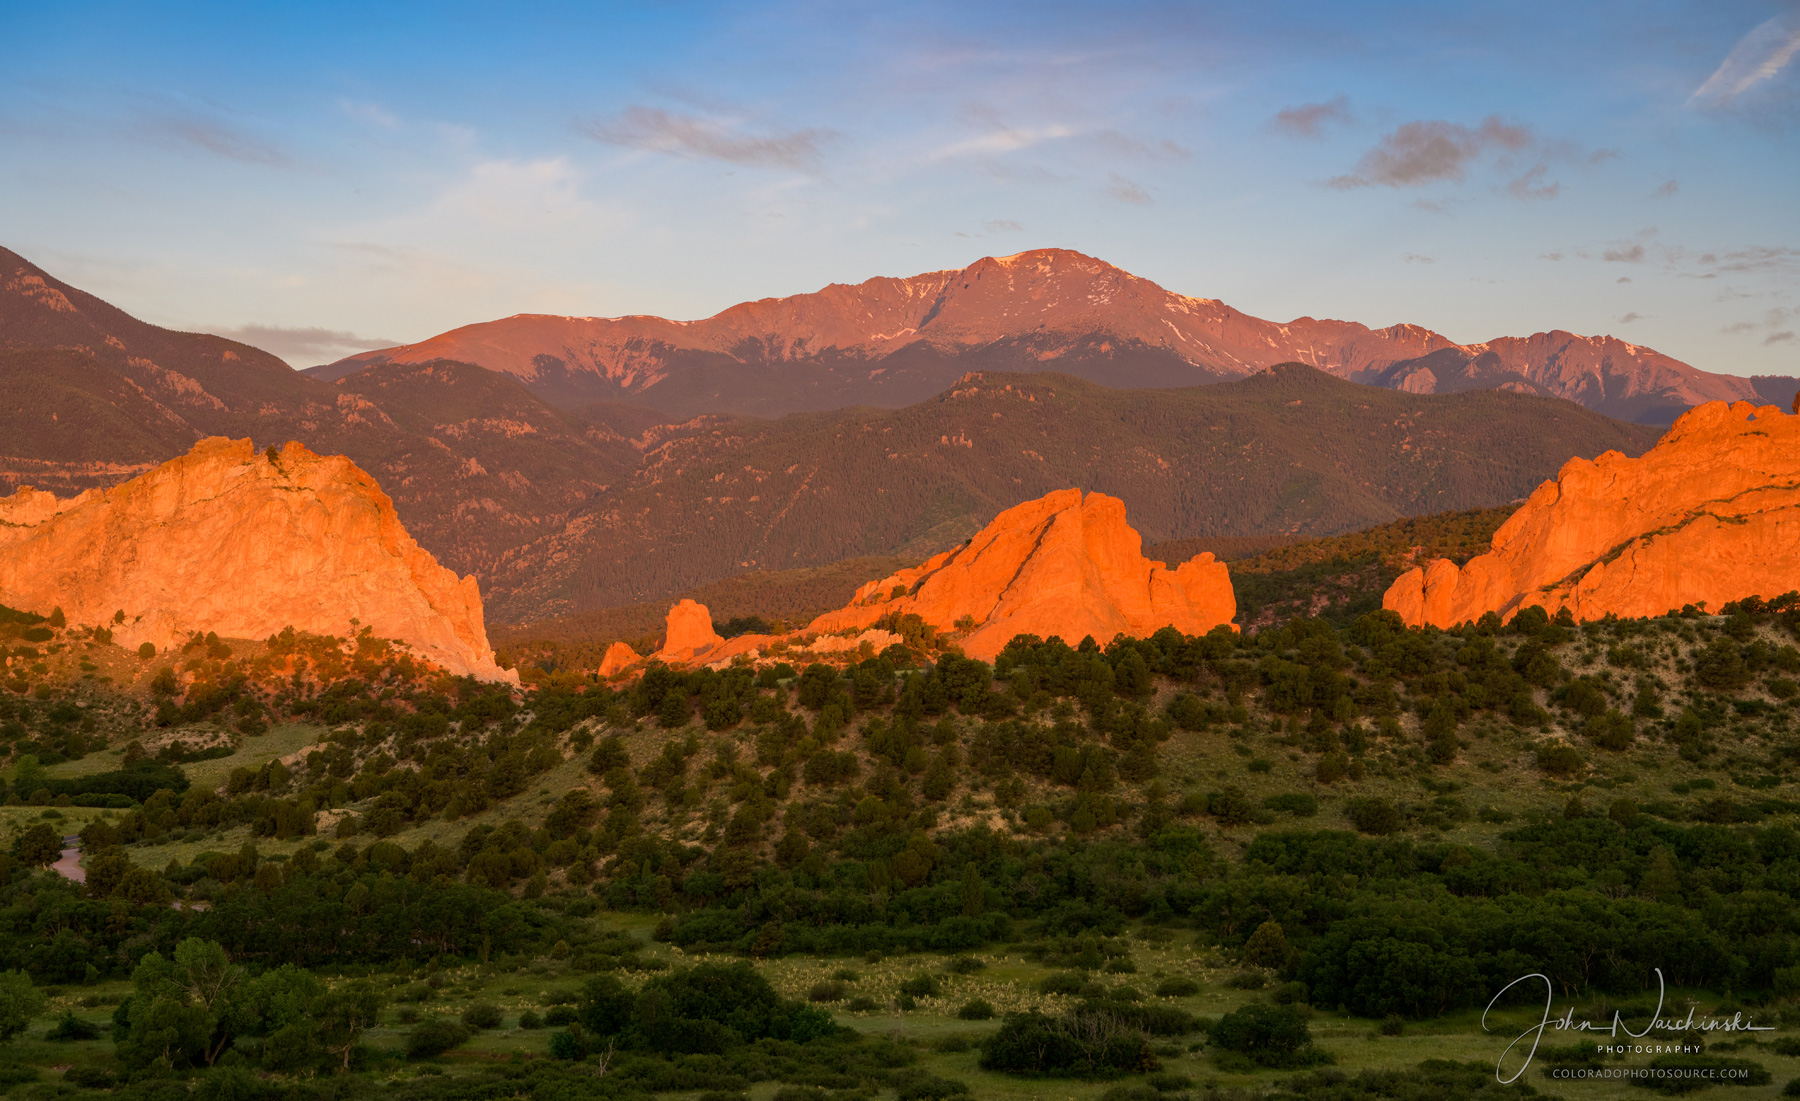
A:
[946,1045]
[1496,779]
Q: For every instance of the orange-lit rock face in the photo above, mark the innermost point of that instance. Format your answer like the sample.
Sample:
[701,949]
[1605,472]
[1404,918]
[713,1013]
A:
[1709,515]
[690,633]
[223,539]
[618,657]
[1059,565]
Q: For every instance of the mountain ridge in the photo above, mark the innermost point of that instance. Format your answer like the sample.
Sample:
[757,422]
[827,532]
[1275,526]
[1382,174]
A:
[890,341]
[561,510]
[90,396]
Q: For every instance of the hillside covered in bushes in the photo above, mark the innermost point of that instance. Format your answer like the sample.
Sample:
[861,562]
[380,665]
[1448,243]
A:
[1361,820]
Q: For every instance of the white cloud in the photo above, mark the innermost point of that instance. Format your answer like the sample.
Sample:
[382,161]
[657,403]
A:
[522,196]
[501,236]
[302,345]
[1757,56]
[370,112]
[1008,140]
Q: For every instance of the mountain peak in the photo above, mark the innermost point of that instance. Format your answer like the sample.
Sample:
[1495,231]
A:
[1047,259]
[890,341]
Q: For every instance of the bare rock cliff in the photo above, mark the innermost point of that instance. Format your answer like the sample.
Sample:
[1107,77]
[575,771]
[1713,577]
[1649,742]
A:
[618,657]
[242,543]
[1709,515]
[1060,565]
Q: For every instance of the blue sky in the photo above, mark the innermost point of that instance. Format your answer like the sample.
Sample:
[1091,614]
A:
[326,177]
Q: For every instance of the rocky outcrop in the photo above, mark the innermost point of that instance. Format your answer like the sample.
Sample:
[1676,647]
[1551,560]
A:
[876,640]
[617,659]
[690,633]
[1060,565]
[1709,515]
[690,640]
[242,543]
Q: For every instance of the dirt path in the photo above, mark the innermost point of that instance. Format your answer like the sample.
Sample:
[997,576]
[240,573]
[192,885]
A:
[69,864]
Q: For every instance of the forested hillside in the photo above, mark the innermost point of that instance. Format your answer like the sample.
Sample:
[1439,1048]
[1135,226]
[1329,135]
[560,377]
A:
[1316,832]
[1291,451]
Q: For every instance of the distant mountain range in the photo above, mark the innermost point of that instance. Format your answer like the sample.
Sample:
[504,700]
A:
[601,503]
[891,342]
[475,463]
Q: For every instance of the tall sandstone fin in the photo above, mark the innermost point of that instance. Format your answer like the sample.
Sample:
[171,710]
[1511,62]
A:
[242,543]
[1711,514]
[1061,565]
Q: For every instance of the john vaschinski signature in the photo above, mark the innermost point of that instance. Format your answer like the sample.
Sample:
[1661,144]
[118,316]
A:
[1613,1029]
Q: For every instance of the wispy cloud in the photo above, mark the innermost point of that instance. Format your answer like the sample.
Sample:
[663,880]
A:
[658,131]
[1431,150]
[1757,56]
[483,241]
[1127,191]
[997,225]
[1008,139]
[1123,144]
[1645,249]
[1626,319]
[1530,184]
[1415,258]
[189,132]
[370,112]
[304,344]
[1770,325]
[1308,120]
[1755,259]
[542,195]
[1667,190]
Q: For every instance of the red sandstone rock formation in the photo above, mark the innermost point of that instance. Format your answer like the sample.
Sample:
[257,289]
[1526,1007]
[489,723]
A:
[1709,515]
[1059,565]
[690,633]
[242,543]
[617,658]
